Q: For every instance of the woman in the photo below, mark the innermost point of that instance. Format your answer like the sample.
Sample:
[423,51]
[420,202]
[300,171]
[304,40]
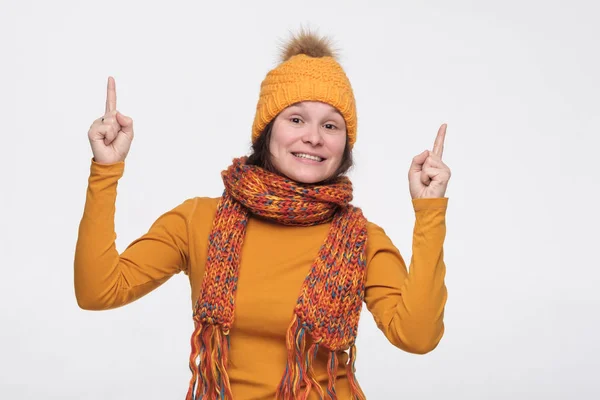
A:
[281,263]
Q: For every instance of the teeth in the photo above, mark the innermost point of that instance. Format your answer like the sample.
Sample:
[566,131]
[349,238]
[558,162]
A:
[308,156]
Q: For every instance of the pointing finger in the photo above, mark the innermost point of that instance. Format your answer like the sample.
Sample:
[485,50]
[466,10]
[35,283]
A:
[111,95]
[438,146]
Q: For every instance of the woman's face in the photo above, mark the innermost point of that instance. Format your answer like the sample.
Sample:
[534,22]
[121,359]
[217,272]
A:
[308,141]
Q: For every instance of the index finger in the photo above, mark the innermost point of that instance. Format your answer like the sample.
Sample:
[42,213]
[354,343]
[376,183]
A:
[438,146]
[111,95]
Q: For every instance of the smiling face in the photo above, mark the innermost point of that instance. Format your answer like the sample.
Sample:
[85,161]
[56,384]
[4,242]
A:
[308,141]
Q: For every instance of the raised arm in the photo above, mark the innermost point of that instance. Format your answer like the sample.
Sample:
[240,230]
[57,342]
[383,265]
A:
[103,277]
[408,304]
[106,279]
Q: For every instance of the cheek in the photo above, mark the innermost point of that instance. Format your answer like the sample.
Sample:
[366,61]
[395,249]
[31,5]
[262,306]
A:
[280,138]
[337,146]
[276,140]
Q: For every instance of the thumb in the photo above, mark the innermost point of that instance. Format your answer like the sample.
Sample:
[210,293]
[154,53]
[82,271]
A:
[125,122]
[419,160]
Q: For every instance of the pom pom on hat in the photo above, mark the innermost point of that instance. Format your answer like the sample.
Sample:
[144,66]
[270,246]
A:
[308,43]
[309,71]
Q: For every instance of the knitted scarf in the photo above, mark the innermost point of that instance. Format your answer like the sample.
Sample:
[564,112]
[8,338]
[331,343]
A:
[331,297]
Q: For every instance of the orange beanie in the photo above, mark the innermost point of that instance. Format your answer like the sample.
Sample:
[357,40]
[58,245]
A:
[309,72]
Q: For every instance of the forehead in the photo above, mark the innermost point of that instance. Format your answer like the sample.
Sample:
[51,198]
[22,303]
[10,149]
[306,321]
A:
[314,106]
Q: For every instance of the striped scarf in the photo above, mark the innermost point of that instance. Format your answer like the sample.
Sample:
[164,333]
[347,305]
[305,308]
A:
[329,303]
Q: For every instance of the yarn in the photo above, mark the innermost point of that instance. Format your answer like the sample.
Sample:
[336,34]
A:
[331,297]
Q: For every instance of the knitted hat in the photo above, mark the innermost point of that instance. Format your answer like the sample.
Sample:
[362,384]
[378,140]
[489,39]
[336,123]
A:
[309,71]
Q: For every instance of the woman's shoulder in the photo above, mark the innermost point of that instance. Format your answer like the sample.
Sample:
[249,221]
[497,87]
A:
[378,240]
[197,207]
[374,229]
[376,232]
[203,204]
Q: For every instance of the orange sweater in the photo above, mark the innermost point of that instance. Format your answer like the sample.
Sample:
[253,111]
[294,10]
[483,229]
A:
[408,307]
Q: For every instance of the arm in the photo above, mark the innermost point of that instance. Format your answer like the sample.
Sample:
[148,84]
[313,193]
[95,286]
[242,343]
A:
[408,306]
[103,278]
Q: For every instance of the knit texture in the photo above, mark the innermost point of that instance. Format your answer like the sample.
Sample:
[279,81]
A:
[331,297]
[305,78]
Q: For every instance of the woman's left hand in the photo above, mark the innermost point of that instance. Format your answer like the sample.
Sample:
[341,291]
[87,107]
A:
[428,176]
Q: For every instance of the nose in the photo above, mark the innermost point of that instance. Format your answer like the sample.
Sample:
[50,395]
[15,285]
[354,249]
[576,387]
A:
[312,135]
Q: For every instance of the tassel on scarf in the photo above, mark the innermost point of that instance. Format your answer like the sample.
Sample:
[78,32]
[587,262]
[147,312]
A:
[312,354]
[299,368]
[208,363]
[357,393]
[210,346]
[332,366]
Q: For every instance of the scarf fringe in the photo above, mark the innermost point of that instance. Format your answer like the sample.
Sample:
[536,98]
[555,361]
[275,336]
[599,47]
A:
[332,367]
[355,389]
[299,368]
[208,364]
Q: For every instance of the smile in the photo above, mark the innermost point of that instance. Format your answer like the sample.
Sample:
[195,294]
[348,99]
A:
[308,157]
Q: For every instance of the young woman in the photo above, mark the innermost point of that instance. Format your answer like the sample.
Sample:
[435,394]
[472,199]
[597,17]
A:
[281,263]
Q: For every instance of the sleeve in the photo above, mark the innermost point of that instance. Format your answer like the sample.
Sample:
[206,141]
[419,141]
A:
[408,305]
[105,279]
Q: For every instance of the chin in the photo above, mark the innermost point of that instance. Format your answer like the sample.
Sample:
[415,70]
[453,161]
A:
[303,176]
[306,179]
[309,174]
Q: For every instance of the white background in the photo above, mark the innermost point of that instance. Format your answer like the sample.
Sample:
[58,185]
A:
[516,81]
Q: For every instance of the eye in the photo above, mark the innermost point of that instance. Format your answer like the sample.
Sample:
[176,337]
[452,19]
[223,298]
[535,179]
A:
[295,120]
[330,126]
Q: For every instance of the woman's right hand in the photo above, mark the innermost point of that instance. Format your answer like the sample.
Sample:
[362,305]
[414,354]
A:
[111,135]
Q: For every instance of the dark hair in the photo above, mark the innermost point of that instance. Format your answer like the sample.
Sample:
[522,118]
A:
[261,155]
